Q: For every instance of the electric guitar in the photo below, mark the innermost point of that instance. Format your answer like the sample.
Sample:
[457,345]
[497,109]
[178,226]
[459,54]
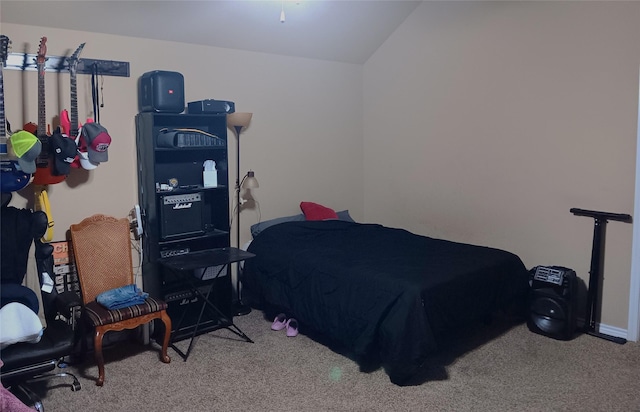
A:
[44,163]
[11,178]
[4,49]
[71,125]
[31,127]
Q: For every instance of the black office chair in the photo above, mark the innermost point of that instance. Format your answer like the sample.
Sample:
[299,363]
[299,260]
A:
[26,362]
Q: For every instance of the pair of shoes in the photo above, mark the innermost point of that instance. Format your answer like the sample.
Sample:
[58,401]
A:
[281,322]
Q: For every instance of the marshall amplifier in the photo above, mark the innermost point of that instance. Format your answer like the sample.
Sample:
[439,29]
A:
[181,215]
[184,304]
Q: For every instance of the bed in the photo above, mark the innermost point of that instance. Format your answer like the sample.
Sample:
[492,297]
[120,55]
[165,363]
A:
[379,291]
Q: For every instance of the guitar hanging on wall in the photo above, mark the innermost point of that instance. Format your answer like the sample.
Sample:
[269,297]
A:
[71,124]
[4,50]
[44,164]
[11,178]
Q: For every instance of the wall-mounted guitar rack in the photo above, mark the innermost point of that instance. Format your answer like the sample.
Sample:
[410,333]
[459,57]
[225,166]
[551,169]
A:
[26,61]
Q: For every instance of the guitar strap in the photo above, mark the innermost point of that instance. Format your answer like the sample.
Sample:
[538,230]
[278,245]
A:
[95,93]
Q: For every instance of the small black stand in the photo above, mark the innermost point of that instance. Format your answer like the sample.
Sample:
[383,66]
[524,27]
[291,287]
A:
[597,266]
[183,265]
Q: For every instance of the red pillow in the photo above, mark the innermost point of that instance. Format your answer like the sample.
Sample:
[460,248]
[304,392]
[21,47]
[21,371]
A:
[314,211]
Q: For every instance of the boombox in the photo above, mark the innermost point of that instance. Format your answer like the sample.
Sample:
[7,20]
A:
[161,92]
[552,302]
[211,106]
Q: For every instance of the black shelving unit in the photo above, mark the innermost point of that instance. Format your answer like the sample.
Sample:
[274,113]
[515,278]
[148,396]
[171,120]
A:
[187,218]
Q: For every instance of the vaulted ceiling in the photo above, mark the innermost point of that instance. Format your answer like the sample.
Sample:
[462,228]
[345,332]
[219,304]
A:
[336,30]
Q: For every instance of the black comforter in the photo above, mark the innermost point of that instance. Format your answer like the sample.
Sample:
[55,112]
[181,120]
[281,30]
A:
[378,290]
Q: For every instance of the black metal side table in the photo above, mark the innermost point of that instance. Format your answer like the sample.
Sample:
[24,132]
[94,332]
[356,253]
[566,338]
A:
[183,267]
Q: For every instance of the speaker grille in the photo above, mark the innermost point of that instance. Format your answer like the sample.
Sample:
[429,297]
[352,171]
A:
[549,315]
[549,307]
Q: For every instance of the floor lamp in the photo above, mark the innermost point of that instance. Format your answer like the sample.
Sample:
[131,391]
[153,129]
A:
[238,122]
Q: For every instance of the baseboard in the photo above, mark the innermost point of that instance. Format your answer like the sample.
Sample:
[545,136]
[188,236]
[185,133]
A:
[606,329]
[612,331]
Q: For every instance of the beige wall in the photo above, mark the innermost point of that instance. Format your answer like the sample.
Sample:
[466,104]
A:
[306,125]
[302,128]
[482,122]
[485,122]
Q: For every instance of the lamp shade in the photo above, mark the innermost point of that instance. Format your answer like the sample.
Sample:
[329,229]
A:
[239,119]
[250,181]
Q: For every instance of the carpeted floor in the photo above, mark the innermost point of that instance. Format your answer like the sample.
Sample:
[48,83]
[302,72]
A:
[497,367]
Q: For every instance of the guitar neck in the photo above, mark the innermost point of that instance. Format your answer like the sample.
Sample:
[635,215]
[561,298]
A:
[74,106]
[4,51]
[42,116]
[3,122]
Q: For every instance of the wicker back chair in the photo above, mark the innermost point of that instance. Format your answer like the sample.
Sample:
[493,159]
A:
[102,250]
[102,245]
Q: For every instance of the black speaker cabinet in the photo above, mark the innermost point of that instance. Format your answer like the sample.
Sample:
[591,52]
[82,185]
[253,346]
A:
[184,307]
[161,92]
[552,302]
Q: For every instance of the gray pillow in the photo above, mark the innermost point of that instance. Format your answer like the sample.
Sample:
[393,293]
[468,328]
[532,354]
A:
[260,226]
[344,215]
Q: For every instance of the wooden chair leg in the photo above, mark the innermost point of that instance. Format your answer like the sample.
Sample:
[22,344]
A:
[97,348]
[167,334]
